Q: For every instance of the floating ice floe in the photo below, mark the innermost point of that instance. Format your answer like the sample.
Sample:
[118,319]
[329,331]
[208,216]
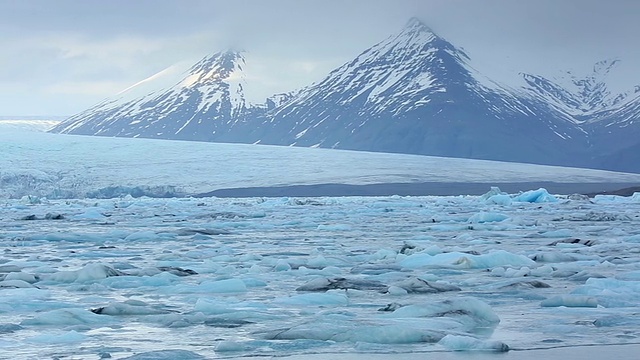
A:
[570,301]
[462,343]
[408,324]
[535,196]
[129,307]
[610,292]
[65,317]
[466,261]
[485,217]
[89,273]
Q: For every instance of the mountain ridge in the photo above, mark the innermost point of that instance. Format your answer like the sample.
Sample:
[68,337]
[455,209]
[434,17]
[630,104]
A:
[413,92]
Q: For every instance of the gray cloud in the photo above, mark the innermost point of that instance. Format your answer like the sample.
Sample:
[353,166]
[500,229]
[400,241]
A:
[50,48]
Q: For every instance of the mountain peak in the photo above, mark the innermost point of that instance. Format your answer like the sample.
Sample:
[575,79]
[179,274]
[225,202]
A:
[417,37]
[415,24]
[216,67]
[416,29]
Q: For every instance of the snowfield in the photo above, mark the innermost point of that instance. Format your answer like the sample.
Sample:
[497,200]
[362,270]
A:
[205,278]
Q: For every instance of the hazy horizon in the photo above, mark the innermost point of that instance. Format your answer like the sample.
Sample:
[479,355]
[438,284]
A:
[61,58]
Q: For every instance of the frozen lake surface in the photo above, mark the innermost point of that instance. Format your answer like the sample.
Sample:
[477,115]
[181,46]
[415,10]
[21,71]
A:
[84,277]
[223,278]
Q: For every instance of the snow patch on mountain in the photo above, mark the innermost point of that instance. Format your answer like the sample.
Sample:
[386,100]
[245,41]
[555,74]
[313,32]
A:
[210,90]
[586,95]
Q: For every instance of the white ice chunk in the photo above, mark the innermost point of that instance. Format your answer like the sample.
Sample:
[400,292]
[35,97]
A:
[132,282]
[19,275]
[325,299]
[89,273]
[129,308]
[228,346]
[65,317]
[500,199]
[459,343]
[611,292]
[484,217]
[142,236]
[223,286]
[91,214]
[397,291]
[214,307]
[467,261]
[493,192]
[16,284]
[570,301]
[318,262]
[343,330]
[282,265]
[480,311]
[535,196]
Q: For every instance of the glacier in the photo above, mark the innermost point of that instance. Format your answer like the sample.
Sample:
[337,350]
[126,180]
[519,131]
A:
[44,165]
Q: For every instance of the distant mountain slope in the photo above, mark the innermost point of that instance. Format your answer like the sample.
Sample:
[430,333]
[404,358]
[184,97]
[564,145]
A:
[417,93]
[582,97]
[412,93]
[31,123]
[207,99]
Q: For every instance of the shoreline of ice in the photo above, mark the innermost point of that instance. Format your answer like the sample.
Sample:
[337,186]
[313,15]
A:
[613,351]
[418,189]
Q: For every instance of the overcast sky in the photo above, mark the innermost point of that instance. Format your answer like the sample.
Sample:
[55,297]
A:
[61,57]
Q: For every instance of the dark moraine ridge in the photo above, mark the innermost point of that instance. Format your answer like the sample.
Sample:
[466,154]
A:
[621,192]
[421,189]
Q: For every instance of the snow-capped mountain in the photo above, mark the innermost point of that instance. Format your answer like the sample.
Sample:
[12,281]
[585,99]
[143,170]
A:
[206,99]
[582,96]
[412,93]
[615,135]
[609,114]
[417,93]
